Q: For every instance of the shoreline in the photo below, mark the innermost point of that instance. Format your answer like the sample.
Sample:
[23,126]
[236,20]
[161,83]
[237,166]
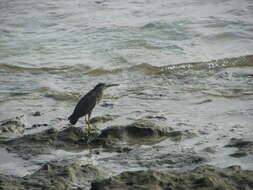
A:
[142,149]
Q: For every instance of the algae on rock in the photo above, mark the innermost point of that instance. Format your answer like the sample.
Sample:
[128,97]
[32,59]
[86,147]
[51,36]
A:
[201,178]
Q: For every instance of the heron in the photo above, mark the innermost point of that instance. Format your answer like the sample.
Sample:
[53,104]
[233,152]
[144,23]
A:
[87,103]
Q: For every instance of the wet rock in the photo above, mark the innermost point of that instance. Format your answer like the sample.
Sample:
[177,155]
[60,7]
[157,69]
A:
[65,175]
[209,150]
[36,114]
[56,175]
[10,182]
[201,132]
[180,135]
[73,135]
[245,147]
[204,101]
[34,126]
[49,140]
[103,119]
[124,149]
[33,144]
[12,128]
[238,154]
[156,117]
[106,105]
[204,177]
[140,132]
[239,143]
[153,158]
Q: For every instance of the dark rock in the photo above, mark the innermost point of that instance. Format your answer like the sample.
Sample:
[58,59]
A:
[245,147]
[140,132]
[46,141]
[209,150]
[201,132]
[124,149]
[238,154]
[106,105]
[103,119]
[34,126]
[204,177]
[239,143]
[55,175]
[73,134]
[37,113]
[154,158]
[99,2]
[12,128]
[204,101]
[33,144]
[156,117]
[180,135]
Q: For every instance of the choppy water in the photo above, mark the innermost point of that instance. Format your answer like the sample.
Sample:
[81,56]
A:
[189,61]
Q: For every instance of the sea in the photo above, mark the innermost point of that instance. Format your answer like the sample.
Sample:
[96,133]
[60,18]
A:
[187,61]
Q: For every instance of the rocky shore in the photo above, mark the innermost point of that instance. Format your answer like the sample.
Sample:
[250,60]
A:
[78,175]
[204,177]
[136,147]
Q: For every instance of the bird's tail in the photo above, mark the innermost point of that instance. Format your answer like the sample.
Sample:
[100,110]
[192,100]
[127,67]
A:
[72,119]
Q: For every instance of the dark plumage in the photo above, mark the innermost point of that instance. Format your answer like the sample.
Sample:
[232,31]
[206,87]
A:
[87,103]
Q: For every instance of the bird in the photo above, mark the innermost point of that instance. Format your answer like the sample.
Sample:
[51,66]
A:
[87,103]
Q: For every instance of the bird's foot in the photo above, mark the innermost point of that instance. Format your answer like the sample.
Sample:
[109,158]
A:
[92,130]
[87,130]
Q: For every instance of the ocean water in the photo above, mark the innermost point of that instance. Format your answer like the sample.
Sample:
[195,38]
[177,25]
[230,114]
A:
[189,61]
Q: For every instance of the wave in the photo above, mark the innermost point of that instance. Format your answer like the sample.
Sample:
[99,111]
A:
[31,69]
[242,61]
[45,91]
[144,67]
[62,95]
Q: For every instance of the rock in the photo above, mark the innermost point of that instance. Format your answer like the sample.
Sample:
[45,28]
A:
[103,119]
[153,158]
[157,117]
[46,141]
[66,174]
[33,144]
[180,135]
[37,113]
[124,149]
[34,126]
[203,177]
[209,150]
[239,143]
[73,135]
[56,175]
[245,147]
[238,154]
[204,101]
[12,128]
[140,132]
[106,105]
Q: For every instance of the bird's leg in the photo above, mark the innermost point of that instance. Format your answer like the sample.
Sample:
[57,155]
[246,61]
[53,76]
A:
[87,122]
[94,127]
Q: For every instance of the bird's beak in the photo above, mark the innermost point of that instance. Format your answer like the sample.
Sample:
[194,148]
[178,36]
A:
[110,85]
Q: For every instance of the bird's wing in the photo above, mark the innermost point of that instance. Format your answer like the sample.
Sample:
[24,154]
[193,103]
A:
[85,105]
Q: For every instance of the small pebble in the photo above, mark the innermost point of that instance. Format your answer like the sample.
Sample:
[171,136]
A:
[37,113]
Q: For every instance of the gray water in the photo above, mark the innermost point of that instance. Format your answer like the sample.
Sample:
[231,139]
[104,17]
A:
[188,61]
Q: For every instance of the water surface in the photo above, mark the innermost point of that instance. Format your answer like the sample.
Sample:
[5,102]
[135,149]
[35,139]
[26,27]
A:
[190,62]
